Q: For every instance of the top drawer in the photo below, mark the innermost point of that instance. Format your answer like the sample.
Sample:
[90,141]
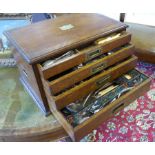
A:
[51,67]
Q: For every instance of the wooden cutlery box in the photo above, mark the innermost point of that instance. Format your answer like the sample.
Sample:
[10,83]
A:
[64,60]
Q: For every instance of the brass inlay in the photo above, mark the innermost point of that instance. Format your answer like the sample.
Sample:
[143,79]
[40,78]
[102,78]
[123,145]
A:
[66,27]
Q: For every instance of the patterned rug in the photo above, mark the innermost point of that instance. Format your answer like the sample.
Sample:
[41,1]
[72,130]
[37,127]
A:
[136,123]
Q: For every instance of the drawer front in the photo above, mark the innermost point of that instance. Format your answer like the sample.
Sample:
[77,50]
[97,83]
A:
[76,76]
[94,83]
[85,55]
[109,111]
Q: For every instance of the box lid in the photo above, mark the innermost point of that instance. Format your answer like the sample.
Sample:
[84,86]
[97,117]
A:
[41,40]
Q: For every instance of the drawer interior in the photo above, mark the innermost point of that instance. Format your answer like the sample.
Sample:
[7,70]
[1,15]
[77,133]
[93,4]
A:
[83,54]
[81,117]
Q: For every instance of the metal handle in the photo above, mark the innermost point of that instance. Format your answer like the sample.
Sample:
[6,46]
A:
[118,108]
[102,81]
[92,54]
[99,67]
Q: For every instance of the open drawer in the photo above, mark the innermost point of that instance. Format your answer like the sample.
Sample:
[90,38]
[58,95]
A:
[111,99]
[88,85]
[92,83]
[77,56]
[74,76]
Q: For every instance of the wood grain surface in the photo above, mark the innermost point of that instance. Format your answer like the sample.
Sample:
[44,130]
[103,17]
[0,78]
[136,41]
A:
[43,39]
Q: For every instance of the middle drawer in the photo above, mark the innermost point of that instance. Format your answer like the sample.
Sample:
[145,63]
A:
[83,88]
[60,83]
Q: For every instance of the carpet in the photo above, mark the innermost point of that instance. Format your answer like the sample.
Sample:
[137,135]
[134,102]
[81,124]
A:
[136,123]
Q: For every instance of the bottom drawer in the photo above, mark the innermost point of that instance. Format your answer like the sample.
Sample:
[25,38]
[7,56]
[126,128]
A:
[79,119]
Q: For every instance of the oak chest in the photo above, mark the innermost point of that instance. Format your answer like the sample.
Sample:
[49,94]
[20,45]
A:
[80,67]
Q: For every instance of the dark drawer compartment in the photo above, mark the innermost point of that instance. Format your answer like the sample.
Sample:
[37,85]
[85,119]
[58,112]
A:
[133,90]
